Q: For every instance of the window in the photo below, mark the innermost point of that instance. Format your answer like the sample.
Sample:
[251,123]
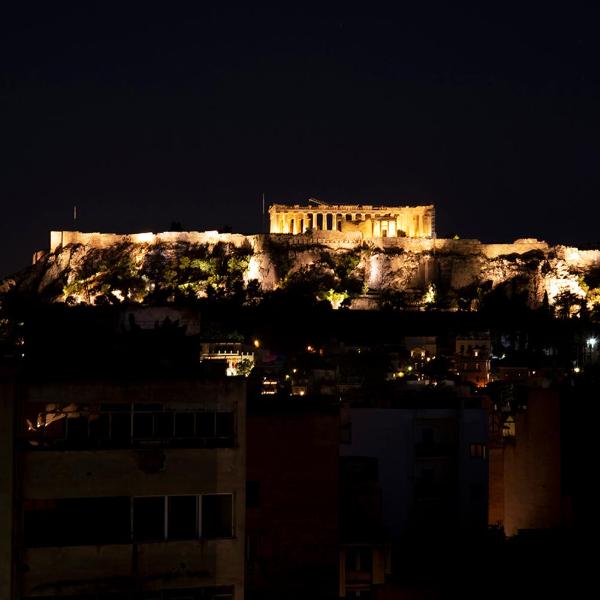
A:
[176,517]
[222,592]
[122,426]
[76,521]
[217,516]
[477,450]
[205,425]
[182,522]
[77,429]
[224,422]
[163,425]
[184,425]
[142,425]
[100,427]
[118,520]
[427,436]
[149,519]
[359,559]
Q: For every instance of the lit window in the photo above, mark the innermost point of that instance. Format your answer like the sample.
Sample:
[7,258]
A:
[477,450]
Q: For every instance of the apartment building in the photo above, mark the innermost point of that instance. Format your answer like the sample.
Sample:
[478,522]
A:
[122,488]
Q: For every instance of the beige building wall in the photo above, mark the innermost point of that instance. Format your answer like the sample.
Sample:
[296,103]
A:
[145,471]
[532,470]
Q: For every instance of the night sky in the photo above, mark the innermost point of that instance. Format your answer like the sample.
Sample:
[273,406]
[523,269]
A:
[146,113]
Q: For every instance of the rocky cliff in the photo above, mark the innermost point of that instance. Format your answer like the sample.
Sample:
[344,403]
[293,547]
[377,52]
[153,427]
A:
[96,268]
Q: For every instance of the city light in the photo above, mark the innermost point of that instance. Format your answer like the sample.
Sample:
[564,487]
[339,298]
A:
[591,342]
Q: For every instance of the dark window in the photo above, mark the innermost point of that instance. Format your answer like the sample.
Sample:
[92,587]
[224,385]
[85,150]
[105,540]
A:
[163,425]
[224,424]
[148,519]
[184,425]
[359,469]
[477,450]
[117,407]
[77,429]
[217,518]
[183,521]
[142,425]
[55,428]
[120,427]
[427,436]
[359,559]
[76,521]
[205,424]
[100,427]
[252,494]
[139,407]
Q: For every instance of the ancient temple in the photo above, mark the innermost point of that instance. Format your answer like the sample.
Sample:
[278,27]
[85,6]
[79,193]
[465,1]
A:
[372,221]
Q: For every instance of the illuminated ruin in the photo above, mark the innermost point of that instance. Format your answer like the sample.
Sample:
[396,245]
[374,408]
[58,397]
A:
[372,222]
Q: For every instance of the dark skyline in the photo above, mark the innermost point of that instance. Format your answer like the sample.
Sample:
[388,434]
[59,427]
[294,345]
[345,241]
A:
[144,114]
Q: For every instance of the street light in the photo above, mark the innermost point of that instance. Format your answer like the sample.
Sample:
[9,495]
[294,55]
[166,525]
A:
[591,342]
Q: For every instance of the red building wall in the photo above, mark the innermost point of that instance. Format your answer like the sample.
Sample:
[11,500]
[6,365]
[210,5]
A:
[292,512]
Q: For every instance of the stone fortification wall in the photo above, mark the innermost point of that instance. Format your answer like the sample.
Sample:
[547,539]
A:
[106,240]
[462,247]
[331,239]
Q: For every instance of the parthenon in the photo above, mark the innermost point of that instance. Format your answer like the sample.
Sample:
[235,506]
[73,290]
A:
[372,221]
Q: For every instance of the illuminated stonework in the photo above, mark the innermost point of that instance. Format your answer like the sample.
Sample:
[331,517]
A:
[373,222]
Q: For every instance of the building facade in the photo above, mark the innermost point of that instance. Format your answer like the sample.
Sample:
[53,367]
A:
[371,221]
[124,490]
[292,499]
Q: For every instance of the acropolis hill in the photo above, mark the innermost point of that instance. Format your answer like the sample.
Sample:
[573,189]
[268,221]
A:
[356,251]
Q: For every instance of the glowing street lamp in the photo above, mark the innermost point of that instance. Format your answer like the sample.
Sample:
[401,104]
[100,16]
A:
[591,342]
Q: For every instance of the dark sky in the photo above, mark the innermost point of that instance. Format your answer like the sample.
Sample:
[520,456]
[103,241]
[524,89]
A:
[146,113]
